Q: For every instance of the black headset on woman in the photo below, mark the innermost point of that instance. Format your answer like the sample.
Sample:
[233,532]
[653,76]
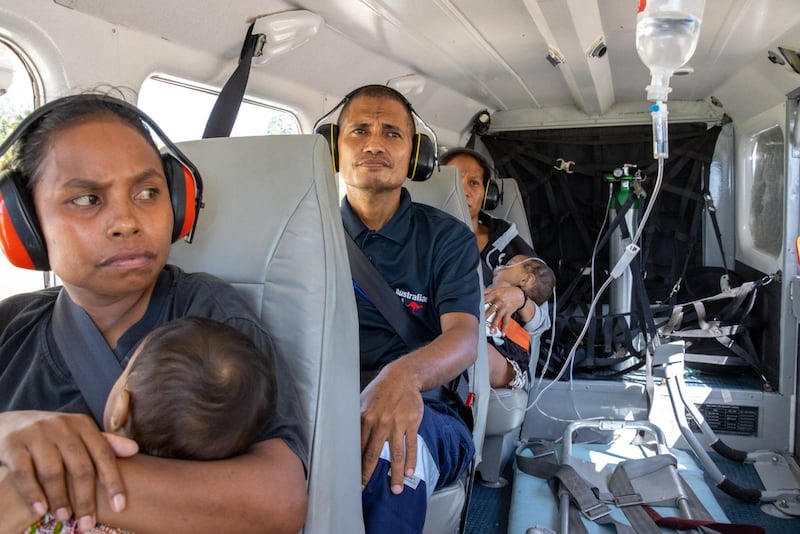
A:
[492,193]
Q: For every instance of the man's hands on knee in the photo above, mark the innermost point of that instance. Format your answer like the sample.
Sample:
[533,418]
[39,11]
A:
[391,411]
[56,459]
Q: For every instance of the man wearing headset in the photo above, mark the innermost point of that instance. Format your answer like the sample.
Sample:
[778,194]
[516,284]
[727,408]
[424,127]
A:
[409,446]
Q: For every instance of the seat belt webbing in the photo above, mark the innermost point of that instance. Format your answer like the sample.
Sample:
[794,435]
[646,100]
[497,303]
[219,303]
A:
[626,497]
[226,108]
[414,334]
[544,465]
[634,509]
[90,360]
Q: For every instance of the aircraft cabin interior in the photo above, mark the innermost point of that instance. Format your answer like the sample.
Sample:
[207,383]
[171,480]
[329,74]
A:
[646,152]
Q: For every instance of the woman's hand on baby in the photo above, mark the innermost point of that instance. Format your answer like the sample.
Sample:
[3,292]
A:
[56,459]
[502,301]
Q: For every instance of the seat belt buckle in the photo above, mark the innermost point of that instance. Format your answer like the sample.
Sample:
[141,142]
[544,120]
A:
[632,499]
[596,511]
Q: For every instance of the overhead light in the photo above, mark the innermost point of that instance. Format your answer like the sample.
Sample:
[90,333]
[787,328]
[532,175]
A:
[481,122]
[554,56]
[775,58]
[408,85]
[792,58]
[284,32]
[598,48]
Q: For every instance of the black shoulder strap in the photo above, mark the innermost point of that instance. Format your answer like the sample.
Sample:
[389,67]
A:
[93,364]
[413,333]
[226,108]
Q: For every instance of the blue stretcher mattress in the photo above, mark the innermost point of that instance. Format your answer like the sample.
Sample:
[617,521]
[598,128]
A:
[533,503]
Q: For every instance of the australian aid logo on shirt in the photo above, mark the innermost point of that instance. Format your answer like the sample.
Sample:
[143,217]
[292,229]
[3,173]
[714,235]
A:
[413,301]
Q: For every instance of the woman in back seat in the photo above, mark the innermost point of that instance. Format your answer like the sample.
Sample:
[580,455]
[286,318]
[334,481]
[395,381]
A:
[498,242]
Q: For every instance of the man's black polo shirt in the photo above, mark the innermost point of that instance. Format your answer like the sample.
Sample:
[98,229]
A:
[428,258]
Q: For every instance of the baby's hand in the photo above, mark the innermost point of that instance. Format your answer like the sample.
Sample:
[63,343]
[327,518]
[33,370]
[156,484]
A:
[123,447]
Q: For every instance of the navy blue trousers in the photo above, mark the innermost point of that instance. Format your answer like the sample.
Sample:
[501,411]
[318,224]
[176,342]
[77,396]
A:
[444,451]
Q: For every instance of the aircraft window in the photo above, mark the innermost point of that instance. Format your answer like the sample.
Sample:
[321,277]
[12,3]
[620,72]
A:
[182,108]
[766,193]
[19,91]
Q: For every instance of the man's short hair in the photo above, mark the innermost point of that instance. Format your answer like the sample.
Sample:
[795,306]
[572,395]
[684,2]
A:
[379,91]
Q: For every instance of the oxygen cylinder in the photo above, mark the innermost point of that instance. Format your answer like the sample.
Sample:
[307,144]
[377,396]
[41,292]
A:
[621,289]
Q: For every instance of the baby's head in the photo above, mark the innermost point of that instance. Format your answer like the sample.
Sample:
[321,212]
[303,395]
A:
[194,389]
[529,273]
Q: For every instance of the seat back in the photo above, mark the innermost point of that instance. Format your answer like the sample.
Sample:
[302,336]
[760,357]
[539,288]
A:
[271,227]
[445,191]
[512,208]
[507,407]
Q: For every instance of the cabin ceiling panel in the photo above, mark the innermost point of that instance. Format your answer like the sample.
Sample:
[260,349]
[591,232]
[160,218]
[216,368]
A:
[442,39]
[490,52]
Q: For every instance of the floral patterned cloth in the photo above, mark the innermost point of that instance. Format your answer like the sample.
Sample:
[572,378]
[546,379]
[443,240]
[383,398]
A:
[49,525]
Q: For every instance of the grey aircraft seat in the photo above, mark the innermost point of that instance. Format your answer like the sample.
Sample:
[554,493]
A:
[445,191]
[512,208]
[506,406]
[272,228]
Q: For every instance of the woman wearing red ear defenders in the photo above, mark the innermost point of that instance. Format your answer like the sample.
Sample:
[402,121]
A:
[498,242]
[89,196]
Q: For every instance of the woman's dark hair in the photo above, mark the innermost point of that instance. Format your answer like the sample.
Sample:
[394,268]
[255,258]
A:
[200,390]
[451,154]
[31,148]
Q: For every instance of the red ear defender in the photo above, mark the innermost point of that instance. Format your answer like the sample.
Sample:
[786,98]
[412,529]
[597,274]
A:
[191,202]
[10,243]
[183,195]
[20,237]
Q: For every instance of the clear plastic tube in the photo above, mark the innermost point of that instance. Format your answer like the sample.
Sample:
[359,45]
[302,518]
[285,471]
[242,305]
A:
[658,112]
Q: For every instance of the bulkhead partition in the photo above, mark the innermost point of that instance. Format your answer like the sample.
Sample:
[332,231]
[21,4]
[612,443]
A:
[271,227]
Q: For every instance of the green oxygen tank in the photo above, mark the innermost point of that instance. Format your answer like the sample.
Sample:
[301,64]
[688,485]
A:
[624,180]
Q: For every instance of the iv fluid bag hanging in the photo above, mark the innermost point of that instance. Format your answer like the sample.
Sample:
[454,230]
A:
[666,37]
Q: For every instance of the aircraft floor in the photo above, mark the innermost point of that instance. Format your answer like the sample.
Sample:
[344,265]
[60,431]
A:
[488,508]
[488,511]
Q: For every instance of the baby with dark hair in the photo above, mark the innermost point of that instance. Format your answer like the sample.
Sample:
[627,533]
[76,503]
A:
[536,280]
[195,389]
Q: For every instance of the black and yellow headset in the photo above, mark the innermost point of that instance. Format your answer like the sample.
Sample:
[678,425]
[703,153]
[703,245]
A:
[424,151]
[492,194]
[21,236]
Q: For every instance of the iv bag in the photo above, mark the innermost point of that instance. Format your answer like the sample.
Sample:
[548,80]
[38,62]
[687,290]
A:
[666,37]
